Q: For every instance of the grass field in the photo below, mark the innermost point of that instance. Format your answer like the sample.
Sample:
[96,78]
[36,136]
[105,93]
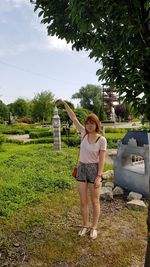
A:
[40,215]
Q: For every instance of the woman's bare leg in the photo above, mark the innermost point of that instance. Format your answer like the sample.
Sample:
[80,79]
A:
[95,199]
[83,192]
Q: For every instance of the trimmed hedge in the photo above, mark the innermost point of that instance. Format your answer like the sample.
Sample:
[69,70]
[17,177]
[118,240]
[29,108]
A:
[38,134]
[41,141]
[72,131]
[13,131]
[115,130]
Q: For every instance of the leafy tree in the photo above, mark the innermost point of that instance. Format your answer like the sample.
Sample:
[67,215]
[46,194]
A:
[117,33]
[90,98]
[3,111]
[19,108]
[42,106]
[63,113]
[81,114]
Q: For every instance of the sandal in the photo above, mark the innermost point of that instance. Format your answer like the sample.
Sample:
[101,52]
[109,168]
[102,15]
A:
[83,231]
[93,233]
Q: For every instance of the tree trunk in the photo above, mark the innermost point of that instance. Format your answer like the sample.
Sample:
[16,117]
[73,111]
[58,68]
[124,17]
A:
[147,257]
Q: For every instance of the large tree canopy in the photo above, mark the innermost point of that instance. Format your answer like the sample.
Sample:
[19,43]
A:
[91,98]
[116,33]
[19,108]
[42,106]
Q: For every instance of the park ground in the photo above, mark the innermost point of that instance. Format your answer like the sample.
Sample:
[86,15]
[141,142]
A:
[44,233]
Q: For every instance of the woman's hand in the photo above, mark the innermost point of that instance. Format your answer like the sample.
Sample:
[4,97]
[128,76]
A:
[98,181]
[59,101]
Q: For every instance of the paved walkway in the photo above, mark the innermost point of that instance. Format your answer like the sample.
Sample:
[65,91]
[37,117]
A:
[24,137]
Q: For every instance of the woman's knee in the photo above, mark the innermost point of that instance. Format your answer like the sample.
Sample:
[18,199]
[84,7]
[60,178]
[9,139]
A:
[96,203]
[84,202]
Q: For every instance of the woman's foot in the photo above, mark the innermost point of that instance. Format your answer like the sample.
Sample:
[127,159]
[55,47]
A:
[83,231]
[93,233]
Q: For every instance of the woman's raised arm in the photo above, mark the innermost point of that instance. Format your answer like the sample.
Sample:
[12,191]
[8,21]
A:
[71,115]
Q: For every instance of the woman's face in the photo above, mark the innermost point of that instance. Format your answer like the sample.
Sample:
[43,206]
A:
[90,126]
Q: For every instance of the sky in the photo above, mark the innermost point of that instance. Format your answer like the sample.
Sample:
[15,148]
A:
[32,62]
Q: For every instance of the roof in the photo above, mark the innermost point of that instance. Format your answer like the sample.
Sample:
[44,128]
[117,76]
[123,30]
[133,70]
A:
[141,137]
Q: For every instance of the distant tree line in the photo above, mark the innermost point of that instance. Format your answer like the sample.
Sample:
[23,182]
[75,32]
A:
[40,108]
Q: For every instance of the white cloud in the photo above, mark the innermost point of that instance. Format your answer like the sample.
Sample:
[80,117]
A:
[57,44]
[8,5]
[17,49]
[51,43]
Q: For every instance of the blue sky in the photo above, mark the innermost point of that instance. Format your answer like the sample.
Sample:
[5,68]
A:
[31,61]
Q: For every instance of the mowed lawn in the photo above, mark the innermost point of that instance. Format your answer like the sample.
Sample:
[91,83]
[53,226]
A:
[40,215]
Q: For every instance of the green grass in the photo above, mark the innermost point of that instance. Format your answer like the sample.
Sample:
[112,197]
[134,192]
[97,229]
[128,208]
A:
[29,172]
[47,234]
[40,215]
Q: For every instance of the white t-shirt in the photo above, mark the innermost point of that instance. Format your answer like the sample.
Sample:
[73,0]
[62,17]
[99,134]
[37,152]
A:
[89,153]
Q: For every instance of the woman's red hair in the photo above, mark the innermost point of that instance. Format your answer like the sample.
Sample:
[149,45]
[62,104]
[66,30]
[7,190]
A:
[93,117]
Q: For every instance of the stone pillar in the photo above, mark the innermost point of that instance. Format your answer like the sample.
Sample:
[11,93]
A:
[56,130]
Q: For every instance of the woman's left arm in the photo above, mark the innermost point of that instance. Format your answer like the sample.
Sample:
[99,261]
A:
[100,167]
[101,162]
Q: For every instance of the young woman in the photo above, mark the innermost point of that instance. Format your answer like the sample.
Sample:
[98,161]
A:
[90,168]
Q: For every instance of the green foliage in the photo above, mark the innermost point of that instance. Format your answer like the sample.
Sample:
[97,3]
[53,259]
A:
[113,138]
[3,112]
[81,114]
[90,98]
[42,106]
[116,33]
[13,131]
[14,141]
[115,130]
[43,140]
[40,133]
[2,139]
[29,172]
[71,141]
[72,131]
[20,108]
[64,118]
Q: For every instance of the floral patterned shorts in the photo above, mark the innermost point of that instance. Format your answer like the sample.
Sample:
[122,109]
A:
[87,172]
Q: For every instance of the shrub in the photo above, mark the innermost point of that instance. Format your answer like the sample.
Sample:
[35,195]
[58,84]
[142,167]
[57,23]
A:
[26,120]
[41,141]
[14,141]
[2,139]
[13,131]
[71,141]
[115,130]
[72,131]
[38,134]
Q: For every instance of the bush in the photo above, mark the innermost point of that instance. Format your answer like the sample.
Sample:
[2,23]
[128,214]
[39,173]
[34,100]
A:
[14,141]
[26,120]
[72,131]
[71,141]
[41,141]
[38,134]
[115,130]
[2,139]
[13,131]
[112,144]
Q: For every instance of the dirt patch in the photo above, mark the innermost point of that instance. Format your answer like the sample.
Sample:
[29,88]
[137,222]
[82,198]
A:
[117,228]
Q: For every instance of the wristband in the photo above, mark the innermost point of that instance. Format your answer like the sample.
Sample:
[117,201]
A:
[99,175]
